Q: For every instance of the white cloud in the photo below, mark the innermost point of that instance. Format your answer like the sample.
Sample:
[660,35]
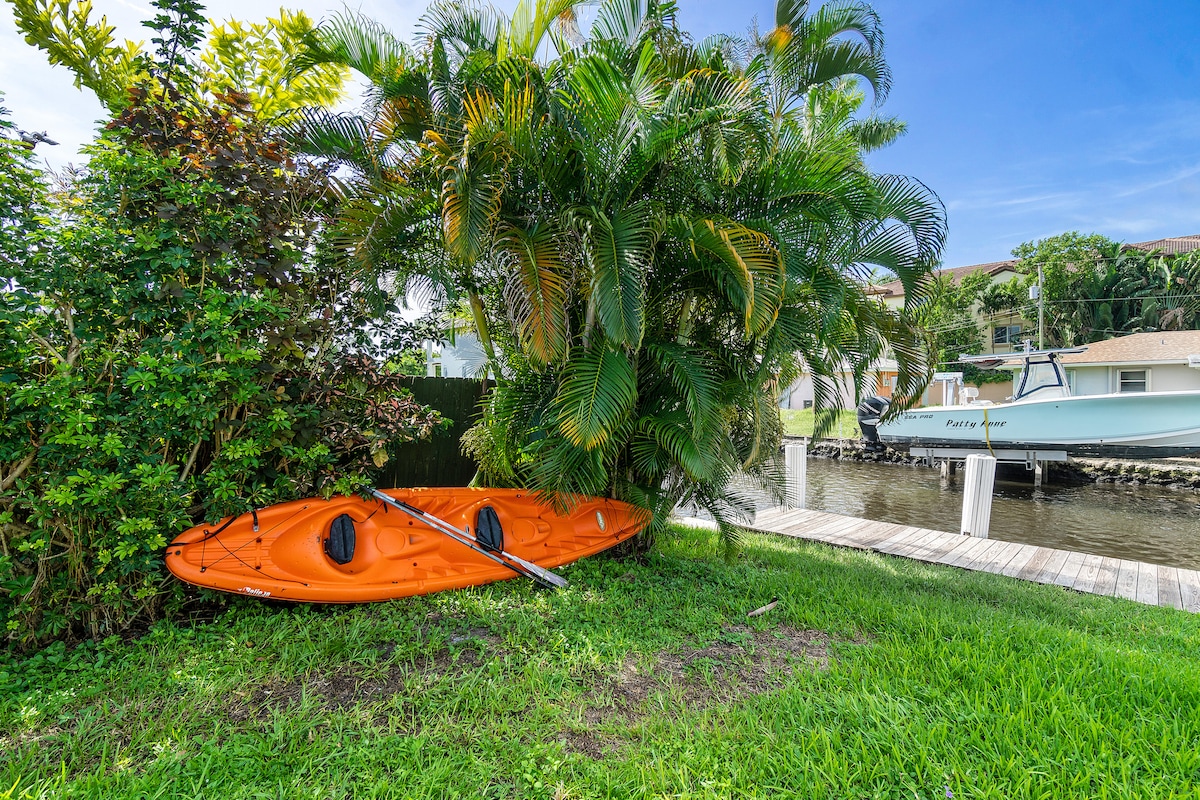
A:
[1158,183]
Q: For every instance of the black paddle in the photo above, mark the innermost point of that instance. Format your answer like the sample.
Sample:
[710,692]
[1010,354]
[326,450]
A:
[515,563]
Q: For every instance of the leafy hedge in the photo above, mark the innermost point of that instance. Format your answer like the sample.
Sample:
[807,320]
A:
[173,348]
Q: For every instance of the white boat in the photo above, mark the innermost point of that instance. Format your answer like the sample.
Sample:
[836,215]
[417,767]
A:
[1043,415]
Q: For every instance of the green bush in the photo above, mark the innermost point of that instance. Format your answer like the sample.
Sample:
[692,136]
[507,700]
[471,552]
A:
[174,349]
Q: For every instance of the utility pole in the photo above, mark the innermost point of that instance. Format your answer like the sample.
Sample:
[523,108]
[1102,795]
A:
[1041,312]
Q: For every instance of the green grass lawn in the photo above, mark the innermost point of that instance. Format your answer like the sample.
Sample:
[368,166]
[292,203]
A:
[873,677]
[800,423]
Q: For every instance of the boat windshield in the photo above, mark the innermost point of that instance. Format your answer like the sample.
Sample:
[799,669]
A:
[1040,376]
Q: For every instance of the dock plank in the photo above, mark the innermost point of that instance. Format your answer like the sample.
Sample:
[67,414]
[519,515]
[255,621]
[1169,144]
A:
[1053,566]
[768,515]
[1085,581]
[1020,560]
[1168,588]
[805,526]
[1106,579]
[935,547]
[1000,558]
[774,518]
[1034,566]
[951,556]
[817,521]
[866,538]
[915,543]
[897,540]
[1127,580]
[981,554]
[1070,571]
[857,532]
[964,556]
[1147,586]
[1189,589]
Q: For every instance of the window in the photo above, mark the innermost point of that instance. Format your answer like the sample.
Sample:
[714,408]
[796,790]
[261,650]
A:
[808,403]
[1006,334]
[1133,380]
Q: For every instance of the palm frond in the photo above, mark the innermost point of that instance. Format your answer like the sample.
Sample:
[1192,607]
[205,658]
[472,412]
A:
[597,393]
[353,40]
[540,290]
[532,21]
[619,251]
[747,266]
[693,375]
[463,26]
[876,133]
[622,21]
[472,192]
[664,440]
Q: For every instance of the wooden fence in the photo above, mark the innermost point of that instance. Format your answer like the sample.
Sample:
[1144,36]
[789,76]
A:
[438,461]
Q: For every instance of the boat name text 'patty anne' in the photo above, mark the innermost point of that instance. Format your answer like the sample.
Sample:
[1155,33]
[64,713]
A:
[964,423]
[957,423]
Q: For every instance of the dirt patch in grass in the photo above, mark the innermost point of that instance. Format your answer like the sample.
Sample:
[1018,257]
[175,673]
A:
[742,662]
[354,685]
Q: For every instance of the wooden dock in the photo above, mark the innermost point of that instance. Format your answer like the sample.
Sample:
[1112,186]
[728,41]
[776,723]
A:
[1151,584]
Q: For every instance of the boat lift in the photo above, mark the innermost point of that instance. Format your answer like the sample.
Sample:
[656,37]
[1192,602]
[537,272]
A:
[947,458]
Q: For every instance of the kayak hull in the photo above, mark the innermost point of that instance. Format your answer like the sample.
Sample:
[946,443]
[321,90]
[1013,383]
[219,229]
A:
[283,553]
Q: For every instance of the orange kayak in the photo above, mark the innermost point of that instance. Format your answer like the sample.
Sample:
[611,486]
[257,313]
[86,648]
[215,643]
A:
[351,550]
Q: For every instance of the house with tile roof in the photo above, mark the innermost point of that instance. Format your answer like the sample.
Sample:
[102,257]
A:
[1176,246]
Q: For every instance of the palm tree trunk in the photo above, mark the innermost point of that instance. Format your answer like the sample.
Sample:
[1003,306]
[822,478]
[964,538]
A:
[485,340]
[685,318]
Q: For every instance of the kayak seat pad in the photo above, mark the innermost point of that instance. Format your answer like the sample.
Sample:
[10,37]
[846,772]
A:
[488,532]
[339,545]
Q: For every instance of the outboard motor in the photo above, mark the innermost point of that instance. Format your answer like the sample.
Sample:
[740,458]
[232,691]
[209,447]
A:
[869,412]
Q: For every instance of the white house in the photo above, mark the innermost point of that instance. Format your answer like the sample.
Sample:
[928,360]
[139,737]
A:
[1162,361]
[880,380]
[462,358]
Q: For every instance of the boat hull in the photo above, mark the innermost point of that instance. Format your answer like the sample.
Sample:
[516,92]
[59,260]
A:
[393,555]
[1141,425]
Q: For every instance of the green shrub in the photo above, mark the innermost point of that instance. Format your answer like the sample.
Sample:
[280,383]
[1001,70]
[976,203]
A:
[174,349]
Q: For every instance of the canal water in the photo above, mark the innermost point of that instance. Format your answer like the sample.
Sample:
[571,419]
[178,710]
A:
[1141,523]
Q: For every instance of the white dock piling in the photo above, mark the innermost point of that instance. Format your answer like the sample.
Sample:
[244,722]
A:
[977,495]
[795,460]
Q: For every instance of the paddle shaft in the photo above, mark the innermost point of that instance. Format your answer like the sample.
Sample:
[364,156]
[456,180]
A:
[515,563]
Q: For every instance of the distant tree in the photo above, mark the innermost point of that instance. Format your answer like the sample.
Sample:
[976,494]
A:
[180,27]
[1165,291]
[1079,277]
[1095,288]
[950,315]
[248,59]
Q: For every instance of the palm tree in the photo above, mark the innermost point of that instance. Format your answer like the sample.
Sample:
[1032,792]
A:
[651,234]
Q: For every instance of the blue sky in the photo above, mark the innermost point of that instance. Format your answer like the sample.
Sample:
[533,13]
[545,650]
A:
[1027,118]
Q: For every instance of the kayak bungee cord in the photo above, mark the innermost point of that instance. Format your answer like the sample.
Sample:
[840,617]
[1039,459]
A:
[203,542]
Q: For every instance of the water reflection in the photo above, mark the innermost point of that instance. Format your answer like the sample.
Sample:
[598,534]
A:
[1160,526]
